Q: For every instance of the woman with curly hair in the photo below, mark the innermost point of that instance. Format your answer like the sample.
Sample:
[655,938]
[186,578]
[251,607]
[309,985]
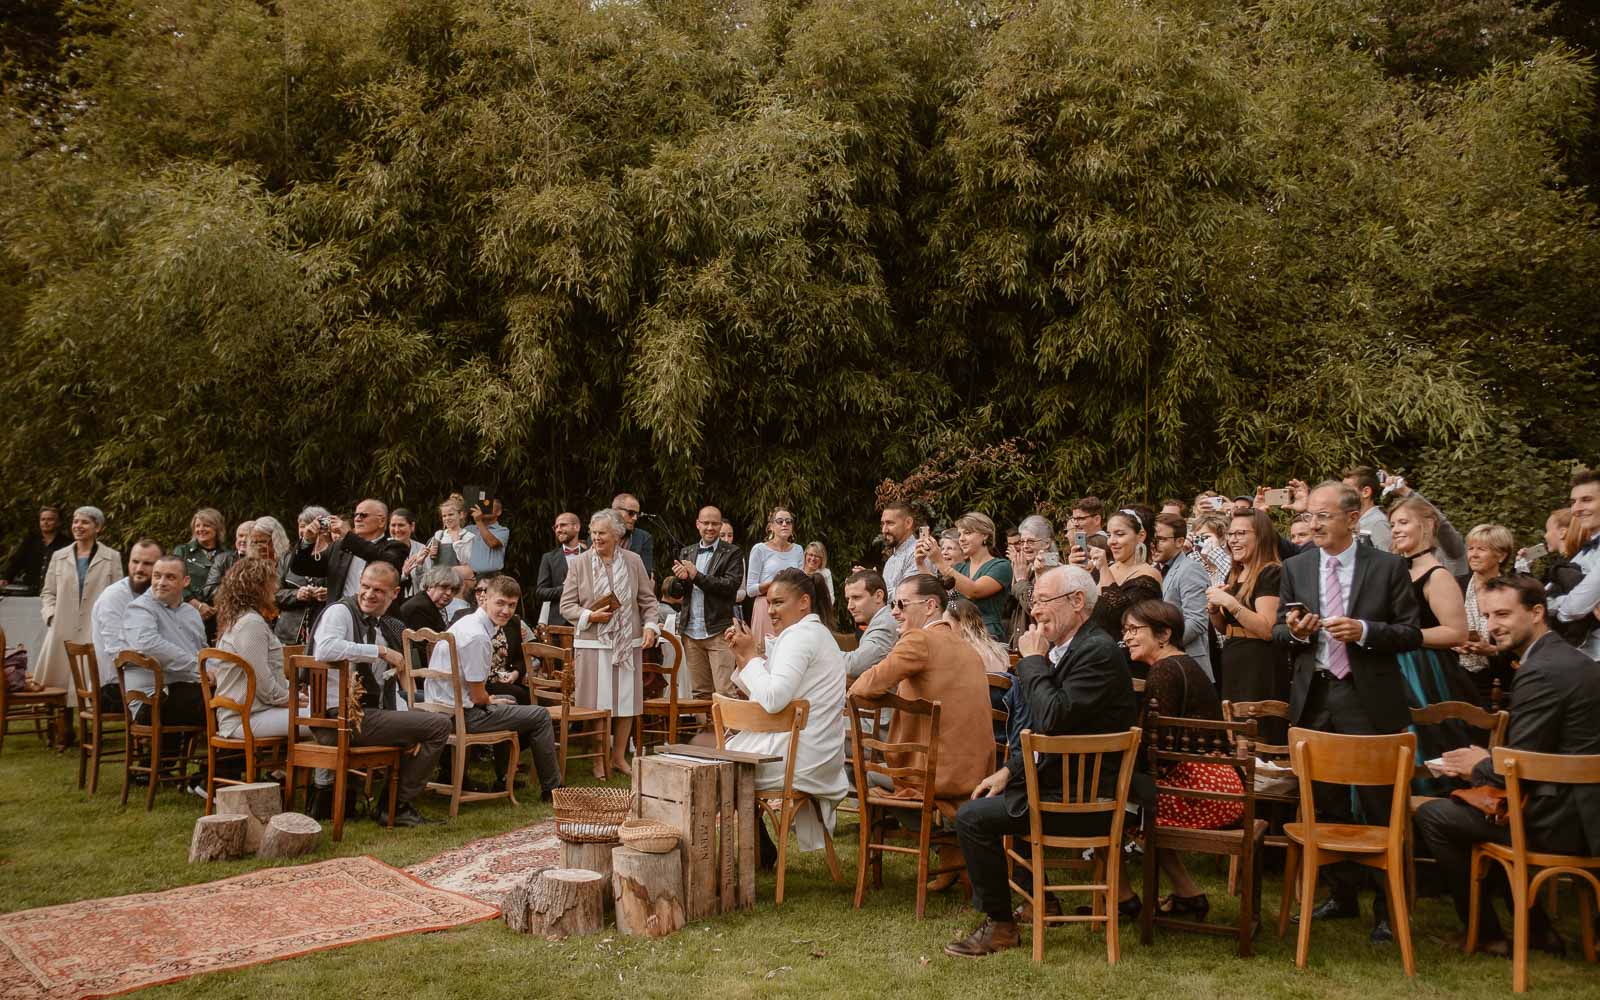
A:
[246,607]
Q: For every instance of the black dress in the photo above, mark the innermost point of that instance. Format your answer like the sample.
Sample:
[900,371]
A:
[1115,598]
[1255,669]
[1432,676]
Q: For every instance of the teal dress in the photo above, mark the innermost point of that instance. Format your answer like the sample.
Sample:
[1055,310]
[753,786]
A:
[993,607]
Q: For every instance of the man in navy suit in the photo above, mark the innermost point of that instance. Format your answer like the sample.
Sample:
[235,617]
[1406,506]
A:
[1346,610]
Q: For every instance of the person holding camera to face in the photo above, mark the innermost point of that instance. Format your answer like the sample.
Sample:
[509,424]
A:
[340,561]
[490,537]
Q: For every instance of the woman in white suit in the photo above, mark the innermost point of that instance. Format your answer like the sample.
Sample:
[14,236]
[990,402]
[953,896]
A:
[75,577]
[802,661]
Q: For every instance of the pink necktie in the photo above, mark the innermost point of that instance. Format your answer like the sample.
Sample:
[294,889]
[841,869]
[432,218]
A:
[1333,607]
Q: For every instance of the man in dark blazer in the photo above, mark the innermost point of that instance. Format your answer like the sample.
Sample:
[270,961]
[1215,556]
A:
[1073,680]
[341,561]
[635,539]
[706,578]
[553,571]
[1346,610]
[1555,708]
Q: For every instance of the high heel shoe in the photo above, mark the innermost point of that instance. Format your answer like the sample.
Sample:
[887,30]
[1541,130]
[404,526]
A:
[1127,909]
[1185,906]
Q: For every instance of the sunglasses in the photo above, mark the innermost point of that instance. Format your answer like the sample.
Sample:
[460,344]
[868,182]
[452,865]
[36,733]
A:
[783,520]
[900,603]
[480,590]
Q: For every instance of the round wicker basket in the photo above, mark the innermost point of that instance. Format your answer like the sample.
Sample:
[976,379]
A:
[648,836]
[590,815]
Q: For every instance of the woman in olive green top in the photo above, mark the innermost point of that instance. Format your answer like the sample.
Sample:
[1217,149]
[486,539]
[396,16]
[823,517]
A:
[980,577]
[206,529]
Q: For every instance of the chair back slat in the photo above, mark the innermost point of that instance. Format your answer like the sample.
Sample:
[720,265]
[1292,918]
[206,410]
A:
[425,641]
[1492,724]
[554,682]
[870,752]
[1556,768]
[733,714]
[131,699]
[1240,711]
[1080,755]
[228,661]
[316,674]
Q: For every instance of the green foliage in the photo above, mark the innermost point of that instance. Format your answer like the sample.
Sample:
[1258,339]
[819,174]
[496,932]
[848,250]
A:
[779,252]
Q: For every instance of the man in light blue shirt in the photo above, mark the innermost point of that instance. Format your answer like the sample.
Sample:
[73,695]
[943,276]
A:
[161,626]
[1580,602]
[488,555]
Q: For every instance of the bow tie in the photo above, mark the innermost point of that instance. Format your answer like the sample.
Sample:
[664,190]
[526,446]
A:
[707,548]
[570,552]
[1590,545]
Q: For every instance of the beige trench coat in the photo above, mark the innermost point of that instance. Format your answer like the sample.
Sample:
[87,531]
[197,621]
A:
[66,614]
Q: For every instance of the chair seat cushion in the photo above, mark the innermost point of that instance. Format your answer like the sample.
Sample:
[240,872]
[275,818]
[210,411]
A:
[1348,837]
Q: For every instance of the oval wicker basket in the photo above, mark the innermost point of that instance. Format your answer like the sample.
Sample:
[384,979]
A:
[590,815]
[648,836]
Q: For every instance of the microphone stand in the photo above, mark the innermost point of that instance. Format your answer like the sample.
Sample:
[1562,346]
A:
[666,529]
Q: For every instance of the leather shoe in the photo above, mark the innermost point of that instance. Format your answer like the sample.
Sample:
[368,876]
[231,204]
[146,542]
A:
[1382,933]
[407,815]
[1024,913]
[1332,908]
[1127,909]
[990,937]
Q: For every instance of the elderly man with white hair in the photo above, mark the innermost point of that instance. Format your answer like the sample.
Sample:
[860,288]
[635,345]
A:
[1072,680]
[73,581]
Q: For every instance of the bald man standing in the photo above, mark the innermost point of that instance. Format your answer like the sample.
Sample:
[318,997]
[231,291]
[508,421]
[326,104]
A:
[706,578]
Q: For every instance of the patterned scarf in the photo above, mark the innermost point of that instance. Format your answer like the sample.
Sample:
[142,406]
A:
[614,578]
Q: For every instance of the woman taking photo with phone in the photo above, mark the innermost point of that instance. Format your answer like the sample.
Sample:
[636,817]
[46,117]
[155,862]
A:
[980,576]
[1243,610]
[779,552]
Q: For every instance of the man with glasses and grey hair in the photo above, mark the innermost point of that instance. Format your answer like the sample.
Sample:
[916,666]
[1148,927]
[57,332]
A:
[340,561]
[1072,680]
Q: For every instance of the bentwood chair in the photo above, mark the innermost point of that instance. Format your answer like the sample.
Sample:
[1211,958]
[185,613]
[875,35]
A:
[44,709]
[1384,761]
[552,685]
[159,751]
[1527,870]
[461,742]
[907,767]
[96,725]
[781,805]
[338,756]
[1082,795]
[678,715]
[1000,717]
[255,752]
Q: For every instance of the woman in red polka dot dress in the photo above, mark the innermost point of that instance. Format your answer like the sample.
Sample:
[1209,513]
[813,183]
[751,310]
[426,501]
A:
[1153,634]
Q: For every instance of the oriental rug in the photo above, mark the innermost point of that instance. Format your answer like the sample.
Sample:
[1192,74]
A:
[487,868]
[102,947]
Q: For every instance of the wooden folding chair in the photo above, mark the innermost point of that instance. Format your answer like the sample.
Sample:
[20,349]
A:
[1361,761]
[339,757]
[1527,870]
[552,685]
[46,709]
[257,752]
[163,766]
[670,708]
[918,767]
[732,714]
[95,727]
[1000,716]
[1081,795]
[1171,741]
[461,742]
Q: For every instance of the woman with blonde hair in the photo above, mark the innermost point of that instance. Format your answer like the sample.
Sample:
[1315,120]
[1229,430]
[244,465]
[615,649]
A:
[815,563]
[199,553]
[1489,551]
[980,576]
[967,621]
[451,545]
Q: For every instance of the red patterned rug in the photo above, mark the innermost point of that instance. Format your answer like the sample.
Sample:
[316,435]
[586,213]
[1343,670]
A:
[487,868]
[102,947]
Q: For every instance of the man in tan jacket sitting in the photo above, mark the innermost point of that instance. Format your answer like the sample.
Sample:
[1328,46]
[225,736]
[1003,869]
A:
[930,661]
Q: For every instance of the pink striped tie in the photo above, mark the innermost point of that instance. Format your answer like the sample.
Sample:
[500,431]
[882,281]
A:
[1333,607]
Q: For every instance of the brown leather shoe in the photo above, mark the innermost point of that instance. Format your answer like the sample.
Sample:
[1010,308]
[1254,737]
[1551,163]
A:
[990,937]
[1024,913]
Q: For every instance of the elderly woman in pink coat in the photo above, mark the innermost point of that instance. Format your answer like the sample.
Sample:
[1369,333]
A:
[609,601]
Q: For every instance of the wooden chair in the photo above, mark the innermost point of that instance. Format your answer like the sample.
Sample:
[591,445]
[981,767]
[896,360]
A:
[1170,741]
[256,752]
[1081,795]
[870,745]
[163,765]
[1000,682]
[1282,808]
[552,686]
[556,635]
[748,717]
[339,756]
[671,708]
[94,727]
[1361,761]
[46,708]
[1492,724]
[1527,870]
[461,742]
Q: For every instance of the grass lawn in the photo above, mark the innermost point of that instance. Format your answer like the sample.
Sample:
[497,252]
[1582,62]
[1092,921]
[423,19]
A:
[60,846]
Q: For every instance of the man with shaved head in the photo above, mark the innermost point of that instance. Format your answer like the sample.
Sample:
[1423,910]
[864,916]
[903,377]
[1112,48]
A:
[553,570]
[706,578]
[340,561]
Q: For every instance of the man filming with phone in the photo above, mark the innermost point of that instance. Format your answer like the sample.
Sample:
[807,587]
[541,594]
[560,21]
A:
[488,558]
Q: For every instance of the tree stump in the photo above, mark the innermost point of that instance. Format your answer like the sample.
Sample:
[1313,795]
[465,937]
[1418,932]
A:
[289,835]
[648,891]
[589,857]
[217,838]
[557,902]
[260,801]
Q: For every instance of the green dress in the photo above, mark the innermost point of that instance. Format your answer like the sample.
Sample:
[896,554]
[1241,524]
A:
[993,607]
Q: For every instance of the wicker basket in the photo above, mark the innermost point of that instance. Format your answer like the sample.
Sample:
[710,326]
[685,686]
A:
[648,836]
[590,815]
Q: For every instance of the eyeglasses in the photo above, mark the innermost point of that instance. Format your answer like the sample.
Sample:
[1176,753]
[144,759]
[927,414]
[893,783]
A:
[783,520]
[628,510]
[1037,601]
[1324,516]
[900,603]
[1132,629]
[480,590]
[366,513]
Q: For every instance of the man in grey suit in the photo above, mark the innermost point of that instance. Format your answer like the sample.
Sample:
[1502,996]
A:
[864,594]
[1183,585]
[1555,708]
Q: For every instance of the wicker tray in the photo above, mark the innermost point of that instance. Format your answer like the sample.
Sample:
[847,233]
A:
[590,815]
[648,836]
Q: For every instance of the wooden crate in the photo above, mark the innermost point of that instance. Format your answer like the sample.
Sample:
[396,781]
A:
[709,796]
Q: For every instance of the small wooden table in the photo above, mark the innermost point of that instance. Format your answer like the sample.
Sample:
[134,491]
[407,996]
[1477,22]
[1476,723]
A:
[709,795]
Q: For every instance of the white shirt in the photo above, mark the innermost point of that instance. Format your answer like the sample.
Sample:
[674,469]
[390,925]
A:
[474,650]
[352,579]
[105,626]
[1581,600]
[331,643]
[901,564]
[695,621]
[1346,561]
[1376,524]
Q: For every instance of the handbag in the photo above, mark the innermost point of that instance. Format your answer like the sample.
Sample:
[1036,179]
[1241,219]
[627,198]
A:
[1493,802]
